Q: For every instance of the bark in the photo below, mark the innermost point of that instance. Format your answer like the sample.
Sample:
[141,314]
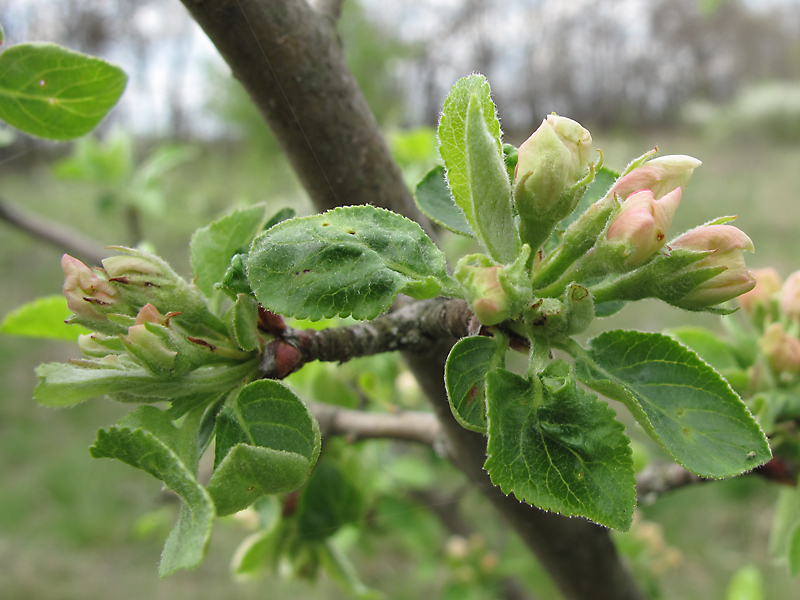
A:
[289,59]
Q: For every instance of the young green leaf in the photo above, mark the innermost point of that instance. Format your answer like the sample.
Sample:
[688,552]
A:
[267,442]
[42,318]
[347,261]
[434,200]
[453,133]
[794,551]
[55,93]
[213,246]
[559,448]
[678,399]
[465,379]
[489,187]
[148,440]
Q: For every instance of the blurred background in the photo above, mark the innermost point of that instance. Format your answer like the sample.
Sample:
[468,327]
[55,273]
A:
[716,79]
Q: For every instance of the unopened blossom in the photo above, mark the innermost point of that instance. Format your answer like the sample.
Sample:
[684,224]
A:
[790,296]
[642,224]
[768,283]
[660,176]
[781,349]
[727,244]
[87,291]
[490,303]
[554,158]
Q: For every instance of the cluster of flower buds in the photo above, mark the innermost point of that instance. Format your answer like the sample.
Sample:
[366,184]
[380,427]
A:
[773,306]
[143,315]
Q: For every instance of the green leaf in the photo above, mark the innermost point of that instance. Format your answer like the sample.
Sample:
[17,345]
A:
[465,371]
[42,318]
[329,500]
[678,399]
[707,345]
[434,200]
[282,215]
[559,448]
[490,189]
[341,570]
[55,93]
[147,440]
[62,384]
[453,133]
[267,442]
[785,517]
[253,555]
[213,246]
[347,261]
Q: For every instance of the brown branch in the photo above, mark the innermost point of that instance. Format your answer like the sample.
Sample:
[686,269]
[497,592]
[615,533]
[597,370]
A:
[658,478]
[410,426]
[55,234]
[416,327]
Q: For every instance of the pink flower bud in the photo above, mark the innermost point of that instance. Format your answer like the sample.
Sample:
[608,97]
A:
[149,314]
[87,292]
[790,296]
[768,282]
[642,224]
[660,175]
[150,348]
[728,244]
[491,304]
[781,349]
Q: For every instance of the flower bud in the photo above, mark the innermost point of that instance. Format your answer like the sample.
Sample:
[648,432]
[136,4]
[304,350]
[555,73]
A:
[768,282]
[88,295]
[552,159]
[150,348]
[641,225]
[660,176]
[490,304]
[781,349]
[727,244]
[790,296]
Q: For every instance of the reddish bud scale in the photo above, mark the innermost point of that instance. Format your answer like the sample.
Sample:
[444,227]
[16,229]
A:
[270,322]
[280,359]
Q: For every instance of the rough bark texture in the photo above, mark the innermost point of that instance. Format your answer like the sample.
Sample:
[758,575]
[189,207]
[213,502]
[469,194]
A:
[288,58]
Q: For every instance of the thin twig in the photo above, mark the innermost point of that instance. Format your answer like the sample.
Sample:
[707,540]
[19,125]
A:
[66,240]
[658,478]
[410,426]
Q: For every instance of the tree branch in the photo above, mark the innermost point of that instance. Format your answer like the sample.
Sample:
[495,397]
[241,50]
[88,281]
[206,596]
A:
[416,327]
[410,426]
[658,478]
[66,240]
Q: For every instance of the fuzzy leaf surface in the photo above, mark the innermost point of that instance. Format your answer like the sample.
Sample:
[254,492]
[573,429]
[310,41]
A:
[465,371]
[42,318]
[489,187]
[55,93]
[559,448]
[678,399]
[348,261]
[148,440]
[212,247]
[267,442]
[453,136]
[434,200]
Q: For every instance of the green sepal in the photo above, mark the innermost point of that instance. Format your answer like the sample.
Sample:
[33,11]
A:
[55,93]
[267,443]
[559,448]
[468,363]
[678,399]
[435,201]
[235,281]
[348,261]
